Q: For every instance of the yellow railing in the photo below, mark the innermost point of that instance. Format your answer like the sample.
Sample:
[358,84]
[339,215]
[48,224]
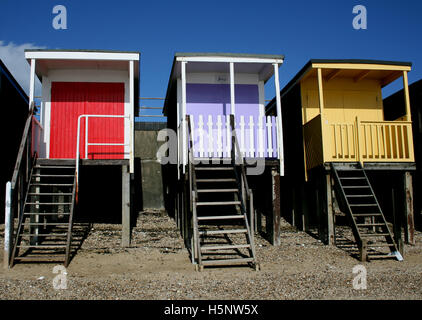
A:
[368,141]
[340,143]
[386,141]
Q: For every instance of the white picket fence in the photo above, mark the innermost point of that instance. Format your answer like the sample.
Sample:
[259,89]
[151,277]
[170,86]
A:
[257,136]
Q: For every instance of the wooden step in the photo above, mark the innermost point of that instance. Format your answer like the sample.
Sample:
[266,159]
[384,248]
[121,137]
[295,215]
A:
[229,217]
[47,203]
[216,190]
[216,180]
[48,194]
[225,247]
[214,168]
[40,246]
[45,235]
[54,175]
[50,258]
[374,235]
[359,196]
[46,213]
[219,262]
[364,205]
[46,224]
[356,187]
[52,184]
[55,167]
[232,231]
[372,245]
[367,214]
[370,224]
[218,203]
[40,166]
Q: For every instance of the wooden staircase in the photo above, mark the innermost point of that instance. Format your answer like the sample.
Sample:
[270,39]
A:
[369,226]
[44,233]
[218,194]
[222,235]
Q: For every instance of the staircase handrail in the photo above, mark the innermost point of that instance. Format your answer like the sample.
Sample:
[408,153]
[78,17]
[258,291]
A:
[236,148]
[24,143]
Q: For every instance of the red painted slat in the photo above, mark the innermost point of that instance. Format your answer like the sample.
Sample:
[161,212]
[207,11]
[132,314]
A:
[71,99]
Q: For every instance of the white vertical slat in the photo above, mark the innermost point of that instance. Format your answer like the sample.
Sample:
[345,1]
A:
[269,139]
[179,138]
[183,76]
[242,136]
[260,137]
[201,135]
[219,137]
[192,126]
[251,137]
[210,137]
[228,136]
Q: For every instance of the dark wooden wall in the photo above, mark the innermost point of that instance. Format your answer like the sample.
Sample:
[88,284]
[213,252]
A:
[394,108]
[14,106]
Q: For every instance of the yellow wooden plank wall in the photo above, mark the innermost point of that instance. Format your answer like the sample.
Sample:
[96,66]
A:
[344,100]
[352,126]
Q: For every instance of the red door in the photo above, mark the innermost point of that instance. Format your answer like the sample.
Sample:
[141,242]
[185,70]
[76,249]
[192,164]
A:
[69,100]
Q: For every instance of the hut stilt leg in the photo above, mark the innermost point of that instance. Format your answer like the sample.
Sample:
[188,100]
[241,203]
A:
[410,222]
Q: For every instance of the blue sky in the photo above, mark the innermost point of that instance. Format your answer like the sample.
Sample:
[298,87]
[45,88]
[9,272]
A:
[299,29]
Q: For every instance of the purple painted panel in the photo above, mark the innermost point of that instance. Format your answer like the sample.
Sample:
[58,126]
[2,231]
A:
[214,100]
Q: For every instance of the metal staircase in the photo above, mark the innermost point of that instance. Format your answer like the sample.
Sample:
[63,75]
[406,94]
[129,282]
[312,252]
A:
[44,233]
[222,232]
[369,226]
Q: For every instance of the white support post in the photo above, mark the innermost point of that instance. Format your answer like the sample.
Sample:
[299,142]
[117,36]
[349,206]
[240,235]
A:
[7,226]
[32,83]
[279,122]
[131,116]
[232,93]
[184,147]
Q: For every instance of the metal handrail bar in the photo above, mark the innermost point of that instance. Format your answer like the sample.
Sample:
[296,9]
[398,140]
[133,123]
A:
[87,116]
